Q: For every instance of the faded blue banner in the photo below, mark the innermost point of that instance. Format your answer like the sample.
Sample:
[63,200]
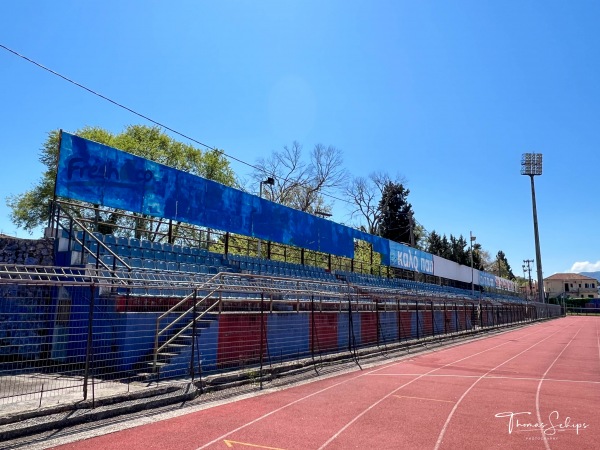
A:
[102,175]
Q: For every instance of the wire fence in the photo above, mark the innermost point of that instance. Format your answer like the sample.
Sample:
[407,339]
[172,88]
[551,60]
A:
[72,334]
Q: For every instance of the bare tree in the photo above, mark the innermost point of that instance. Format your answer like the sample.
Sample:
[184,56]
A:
[365,196]
[301,184]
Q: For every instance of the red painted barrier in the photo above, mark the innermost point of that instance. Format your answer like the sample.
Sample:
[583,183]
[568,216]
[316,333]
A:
[368,328]
[240,339]
[325,332]
[405,324]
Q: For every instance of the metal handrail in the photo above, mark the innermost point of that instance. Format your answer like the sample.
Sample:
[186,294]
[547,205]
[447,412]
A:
[92,235]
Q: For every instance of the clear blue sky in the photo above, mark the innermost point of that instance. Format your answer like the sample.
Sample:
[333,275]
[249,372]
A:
[448,94]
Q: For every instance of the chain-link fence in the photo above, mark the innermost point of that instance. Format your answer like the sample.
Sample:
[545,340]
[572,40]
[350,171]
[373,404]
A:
[73,334]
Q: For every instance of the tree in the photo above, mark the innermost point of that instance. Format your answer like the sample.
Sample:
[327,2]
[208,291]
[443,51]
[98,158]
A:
[302,184]
[365,195]
[502,266]
[434,244]
[30,209]
[396,215]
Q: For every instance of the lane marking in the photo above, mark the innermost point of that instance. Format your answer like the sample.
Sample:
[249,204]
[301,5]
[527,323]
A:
[422,398]
[230,444]
[537,394]
[332,438]
[445,427]
[487,377]
[385,366]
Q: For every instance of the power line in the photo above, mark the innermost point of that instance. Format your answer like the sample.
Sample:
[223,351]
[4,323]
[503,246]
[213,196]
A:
[143,116]
[126,108]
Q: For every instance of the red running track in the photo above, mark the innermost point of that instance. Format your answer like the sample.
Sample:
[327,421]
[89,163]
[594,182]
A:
[537,388]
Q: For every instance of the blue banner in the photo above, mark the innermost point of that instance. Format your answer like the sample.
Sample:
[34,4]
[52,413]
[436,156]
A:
[487,279]
[405,257]
[102,175]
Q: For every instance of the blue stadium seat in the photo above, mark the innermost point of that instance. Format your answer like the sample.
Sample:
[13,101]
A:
[157,246]
[172,265]
[177,249]
[108,260]
[135,262]
[167,247]
[148,253]
[161,265]
[136,252]
[122,241]
[134,242]
[149,264]
[170,256]
[123,250]
[145,243]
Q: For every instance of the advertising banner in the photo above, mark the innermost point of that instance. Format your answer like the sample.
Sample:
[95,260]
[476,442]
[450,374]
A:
[103,175]
[405,257]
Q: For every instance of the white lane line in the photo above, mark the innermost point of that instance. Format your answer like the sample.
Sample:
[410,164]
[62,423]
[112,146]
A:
[220,438]
[445,427]
[332,438]
[487,377]
[537,394]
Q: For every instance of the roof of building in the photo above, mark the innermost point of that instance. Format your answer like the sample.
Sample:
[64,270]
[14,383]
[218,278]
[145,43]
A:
[569,276]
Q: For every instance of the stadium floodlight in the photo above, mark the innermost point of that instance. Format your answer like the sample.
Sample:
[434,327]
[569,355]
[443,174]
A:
[531,165]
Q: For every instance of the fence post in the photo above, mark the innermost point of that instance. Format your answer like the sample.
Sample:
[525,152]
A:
[399,320]
[88,351]
[417,317]
[194,330]
[262,331]
[432,320]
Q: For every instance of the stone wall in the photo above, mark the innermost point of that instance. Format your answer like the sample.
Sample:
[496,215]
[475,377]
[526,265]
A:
[39,252]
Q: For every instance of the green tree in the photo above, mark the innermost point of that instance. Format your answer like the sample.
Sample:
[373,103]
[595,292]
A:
[503,267]
[396,213]
[29,209]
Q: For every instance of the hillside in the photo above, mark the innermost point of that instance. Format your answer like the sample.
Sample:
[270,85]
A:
[595,275]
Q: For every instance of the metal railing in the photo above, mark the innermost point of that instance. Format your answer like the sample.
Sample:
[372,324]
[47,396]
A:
[72,333]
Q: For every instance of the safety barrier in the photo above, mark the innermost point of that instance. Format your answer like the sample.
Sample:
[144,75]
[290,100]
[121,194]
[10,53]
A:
[78,331]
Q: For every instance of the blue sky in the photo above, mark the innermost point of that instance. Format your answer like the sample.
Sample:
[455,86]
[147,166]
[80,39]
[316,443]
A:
[446,94]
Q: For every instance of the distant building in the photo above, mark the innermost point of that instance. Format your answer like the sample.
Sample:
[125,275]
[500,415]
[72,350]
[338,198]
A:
[571,285]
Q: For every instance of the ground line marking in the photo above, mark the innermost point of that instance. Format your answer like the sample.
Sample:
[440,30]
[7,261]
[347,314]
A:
[406,384]
[537,394]
[443,431]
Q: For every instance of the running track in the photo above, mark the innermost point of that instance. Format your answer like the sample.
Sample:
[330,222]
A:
[548,373]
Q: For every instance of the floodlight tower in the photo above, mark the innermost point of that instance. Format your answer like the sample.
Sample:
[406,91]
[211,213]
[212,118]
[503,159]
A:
[531,164]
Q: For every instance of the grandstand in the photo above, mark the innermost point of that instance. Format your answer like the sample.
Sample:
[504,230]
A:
[190,295]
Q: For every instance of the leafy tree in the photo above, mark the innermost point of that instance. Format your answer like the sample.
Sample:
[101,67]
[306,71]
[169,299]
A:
[30,209]
[434,244]
[503,267]
[302,184]
[396,215]
[459,252]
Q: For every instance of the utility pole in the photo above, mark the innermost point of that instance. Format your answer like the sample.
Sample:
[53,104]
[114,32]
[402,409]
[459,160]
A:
[528,269]
[411,224]
[472,238]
